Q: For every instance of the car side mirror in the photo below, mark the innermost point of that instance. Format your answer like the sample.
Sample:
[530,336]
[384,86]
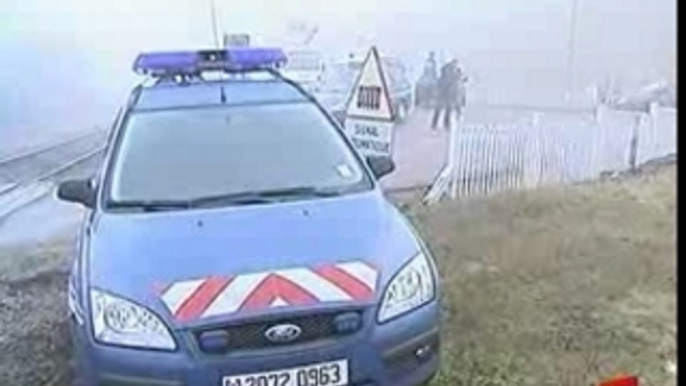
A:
[381,166]
[77,191]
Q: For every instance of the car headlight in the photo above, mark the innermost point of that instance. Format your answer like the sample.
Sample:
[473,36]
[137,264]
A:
[121,322]
[412,287]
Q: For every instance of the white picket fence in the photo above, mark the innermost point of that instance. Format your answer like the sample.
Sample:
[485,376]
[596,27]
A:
[485,159]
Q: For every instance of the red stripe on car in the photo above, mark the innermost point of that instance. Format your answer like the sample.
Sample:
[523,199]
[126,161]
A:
[348,283]
[274,287]
[198,302]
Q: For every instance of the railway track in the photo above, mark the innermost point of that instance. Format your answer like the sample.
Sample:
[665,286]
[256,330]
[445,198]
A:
[30,175]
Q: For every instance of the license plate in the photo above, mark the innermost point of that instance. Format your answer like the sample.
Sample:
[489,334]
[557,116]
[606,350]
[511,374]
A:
[321,374]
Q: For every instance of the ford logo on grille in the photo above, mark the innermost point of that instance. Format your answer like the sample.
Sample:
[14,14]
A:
[283,333]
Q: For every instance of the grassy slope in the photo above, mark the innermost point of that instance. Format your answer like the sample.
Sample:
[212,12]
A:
[559,286]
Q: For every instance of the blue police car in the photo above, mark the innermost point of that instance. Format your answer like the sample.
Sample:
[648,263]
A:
[234,237]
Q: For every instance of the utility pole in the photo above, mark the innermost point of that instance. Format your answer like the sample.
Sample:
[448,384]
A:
[571,47]
[213,16]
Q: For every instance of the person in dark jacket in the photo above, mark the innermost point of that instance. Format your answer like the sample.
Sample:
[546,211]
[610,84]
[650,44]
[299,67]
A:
[424,91]
[431,67]
[449,94]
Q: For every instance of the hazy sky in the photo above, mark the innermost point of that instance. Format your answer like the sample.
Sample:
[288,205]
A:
[66,63]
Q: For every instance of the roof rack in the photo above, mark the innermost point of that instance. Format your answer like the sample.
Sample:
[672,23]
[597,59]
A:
[190,63]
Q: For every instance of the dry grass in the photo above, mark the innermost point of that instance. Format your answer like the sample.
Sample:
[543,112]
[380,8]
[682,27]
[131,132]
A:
[559,287]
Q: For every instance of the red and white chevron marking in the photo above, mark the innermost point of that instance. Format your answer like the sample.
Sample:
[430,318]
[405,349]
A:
[220,295]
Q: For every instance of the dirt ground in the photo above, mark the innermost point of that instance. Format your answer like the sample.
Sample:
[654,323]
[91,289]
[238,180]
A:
[34,335]
[559,287]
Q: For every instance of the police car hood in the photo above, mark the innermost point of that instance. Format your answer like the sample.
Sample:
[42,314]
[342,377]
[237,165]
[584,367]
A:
[215,264]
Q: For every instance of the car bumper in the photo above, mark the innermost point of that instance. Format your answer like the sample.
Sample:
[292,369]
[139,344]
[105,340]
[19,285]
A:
[403,352]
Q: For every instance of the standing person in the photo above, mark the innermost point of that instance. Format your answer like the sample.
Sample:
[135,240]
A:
[431,67]
[447,93]
[424,94]
[431,76]
[461,91]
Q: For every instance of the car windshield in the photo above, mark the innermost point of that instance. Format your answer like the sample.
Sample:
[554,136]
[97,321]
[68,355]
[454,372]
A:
[189,154]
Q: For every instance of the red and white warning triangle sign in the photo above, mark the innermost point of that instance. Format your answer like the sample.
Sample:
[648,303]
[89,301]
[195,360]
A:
[370,96]
[369,116]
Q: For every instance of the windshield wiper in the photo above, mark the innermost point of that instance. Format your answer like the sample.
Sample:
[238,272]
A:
[242,198]
[303,191]
[262,197]
[150,205]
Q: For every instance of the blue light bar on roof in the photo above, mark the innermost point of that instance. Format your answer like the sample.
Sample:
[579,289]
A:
[193,62]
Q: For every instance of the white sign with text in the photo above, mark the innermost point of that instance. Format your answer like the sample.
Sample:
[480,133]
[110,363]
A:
[370,137]
[368,115]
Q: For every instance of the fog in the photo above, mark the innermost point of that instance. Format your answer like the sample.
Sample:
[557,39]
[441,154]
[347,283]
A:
[66,64]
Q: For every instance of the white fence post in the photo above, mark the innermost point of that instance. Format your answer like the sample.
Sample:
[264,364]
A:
[469,157]
[599,140]
[633,144]
[534,155]
[491,155]
[462,162]
[452,138]
[653,127]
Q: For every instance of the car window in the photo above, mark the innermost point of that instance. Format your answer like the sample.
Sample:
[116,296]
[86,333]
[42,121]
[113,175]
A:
[192,153]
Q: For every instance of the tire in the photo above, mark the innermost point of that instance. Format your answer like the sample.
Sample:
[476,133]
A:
[430,379]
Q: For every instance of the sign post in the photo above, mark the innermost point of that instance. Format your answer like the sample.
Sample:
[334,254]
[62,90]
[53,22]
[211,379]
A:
[368,114]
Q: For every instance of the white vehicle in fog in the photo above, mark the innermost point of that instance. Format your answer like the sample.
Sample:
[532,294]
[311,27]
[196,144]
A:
[304,67]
